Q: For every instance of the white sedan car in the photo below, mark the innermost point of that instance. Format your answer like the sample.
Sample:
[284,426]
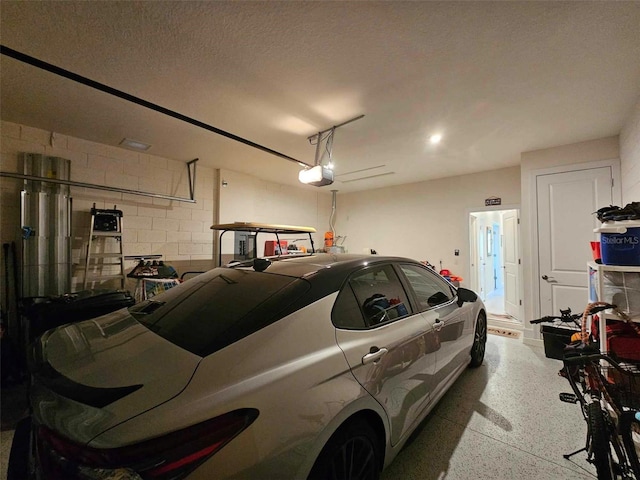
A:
[317,366]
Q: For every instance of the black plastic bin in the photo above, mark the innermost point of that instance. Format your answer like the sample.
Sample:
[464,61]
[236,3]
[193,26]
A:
[555,339]
[44,313]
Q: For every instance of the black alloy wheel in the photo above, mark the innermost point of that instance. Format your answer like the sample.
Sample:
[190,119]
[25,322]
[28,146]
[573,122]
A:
[479,341]
[599,446]
[352,453]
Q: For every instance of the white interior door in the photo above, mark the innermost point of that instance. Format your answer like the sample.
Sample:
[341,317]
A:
[511,263]
[565,203]
[498,259]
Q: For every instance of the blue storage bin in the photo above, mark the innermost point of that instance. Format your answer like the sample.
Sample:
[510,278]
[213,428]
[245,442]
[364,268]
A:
[620,242]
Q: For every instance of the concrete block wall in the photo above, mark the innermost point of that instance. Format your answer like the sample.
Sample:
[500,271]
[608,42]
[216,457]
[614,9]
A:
[178,231]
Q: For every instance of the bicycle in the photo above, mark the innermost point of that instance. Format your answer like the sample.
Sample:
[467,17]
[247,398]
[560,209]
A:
[608,392]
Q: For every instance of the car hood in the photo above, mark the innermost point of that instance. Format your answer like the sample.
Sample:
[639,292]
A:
[93,375]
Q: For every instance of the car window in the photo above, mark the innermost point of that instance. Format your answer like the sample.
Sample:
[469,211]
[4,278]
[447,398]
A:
[346,312]
[379,295]
[217,308]
[431,290]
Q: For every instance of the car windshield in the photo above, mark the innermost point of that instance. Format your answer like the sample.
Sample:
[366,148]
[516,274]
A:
[217,308]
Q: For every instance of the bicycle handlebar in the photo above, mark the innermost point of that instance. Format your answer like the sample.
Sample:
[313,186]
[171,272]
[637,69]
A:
[551,318]
[567,316]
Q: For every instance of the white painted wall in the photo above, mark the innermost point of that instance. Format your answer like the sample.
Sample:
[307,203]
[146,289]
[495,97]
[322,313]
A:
[426,220]
[249,199]
[630,157]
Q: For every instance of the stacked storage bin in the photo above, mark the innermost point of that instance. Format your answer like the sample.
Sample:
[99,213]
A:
[618,282]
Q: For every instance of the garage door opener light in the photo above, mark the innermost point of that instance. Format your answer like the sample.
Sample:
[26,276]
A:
[318,176]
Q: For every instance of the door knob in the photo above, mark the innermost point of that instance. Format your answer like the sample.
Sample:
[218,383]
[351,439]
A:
[545,277]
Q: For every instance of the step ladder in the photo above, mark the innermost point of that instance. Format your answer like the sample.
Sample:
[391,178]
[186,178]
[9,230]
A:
[105,252]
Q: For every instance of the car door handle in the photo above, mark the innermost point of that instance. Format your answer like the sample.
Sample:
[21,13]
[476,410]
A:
[374,355]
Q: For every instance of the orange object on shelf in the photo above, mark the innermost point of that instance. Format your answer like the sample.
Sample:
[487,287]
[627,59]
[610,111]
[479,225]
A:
[328,239]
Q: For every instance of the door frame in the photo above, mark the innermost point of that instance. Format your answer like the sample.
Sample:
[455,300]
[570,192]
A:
[532,310]
[471,245]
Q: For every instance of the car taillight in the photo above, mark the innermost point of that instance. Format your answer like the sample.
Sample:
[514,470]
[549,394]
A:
[171,456]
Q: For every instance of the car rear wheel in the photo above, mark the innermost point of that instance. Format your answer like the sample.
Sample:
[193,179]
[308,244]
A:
[352,453]
[479,341]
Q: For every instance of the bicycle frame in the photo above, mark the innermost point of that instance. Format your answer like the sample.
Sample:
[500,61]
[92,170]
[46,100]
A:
[584,372]
[609,397]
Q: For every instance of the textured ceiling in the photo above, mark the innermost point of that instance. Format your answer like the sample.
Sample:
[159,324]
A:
[495,79]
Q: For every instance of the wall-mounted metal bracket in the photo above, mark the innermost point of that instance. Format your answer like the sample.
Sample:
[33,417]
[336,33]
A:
[192,178]
[327,136]
[192,184]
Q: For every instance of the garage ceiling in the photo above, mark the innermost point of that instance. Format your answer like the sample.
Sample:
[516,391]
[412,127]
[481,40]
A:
[494,78]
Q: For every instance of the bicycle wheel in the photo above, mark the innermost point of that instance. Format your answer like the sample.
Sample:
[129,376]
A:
[630,426]
[599,446]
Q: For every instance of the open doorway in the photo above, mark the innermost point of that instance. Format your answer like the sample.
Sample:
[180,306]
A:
[495,263]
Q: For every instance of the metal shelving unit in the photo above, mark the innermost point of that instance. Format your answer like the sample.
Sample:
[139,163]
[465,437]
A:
[616,284]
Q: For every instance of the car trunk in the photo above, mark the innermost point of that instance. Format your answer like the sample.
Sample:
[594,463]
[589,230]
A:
[93,375]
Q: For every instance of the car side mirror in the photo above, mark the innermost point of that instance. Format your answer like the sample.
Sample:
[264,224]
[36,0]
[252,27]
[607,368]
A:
[465,295]
[437,298]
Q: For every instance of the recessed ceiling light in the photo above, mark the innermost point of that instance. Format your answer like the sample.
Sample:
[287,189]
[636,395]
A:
[435,138]
[135,144]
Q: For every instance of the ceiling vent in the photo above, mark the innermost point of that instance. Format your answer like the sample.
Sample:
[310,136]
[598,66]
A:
[135,145]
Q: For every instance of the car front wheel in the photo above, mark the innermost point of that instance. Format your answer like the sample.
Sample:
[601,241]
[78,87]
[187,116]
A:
[479,341]
[352,453]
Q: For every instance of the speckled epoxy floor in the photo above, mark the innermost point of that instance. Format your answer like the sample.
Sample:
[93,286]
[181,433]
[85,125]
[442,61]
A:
[501,421]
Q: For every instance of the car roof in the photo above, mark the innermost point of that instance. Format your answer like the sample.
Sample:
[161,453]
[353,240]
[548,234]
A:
[323,264]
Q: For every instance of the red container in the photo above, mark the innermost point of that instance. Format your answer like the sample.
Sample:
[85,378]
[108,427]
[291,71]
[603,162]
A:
[595,250]
[271,248]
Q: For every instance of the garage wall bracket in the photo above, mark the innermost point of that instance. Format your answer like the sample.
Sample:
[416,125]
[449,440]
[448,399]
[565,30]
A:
[191,170]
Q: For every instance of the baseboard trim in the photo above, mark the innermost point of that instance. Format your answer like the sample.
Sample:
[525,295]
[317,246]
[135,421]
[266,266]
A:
[534,342]
[507,324]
